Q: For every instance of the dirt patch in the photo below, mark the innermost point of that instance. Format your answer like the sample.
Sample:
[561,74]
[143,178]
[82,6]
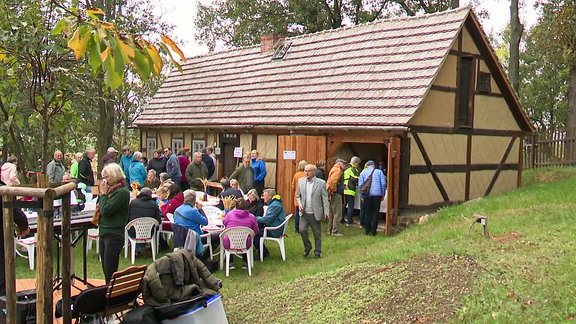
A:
[427,289]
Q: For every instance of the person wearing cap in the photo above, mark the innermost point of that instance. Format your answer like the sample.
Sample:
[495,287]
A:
[125,161]
[55,169]
[110,156]
[144,206]
[374,197]
[351,175]
[335,188]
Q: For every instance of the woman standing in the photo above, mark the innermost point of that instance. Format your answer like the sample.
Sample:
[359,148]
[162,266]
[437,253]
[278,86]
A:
[114,200]
[299,174]
[9,172]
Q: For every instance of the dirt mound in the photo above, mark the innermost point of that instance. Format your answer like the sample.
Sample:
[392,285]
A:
[426,289]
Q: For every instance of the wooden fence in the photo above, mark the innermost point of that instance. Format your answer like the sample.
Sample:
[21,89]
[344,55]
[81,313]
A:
[549,150]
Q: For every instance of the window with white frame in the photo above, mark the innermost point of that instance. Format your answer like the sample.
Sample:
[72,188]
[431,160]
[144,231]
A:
[177,145]
[150,147]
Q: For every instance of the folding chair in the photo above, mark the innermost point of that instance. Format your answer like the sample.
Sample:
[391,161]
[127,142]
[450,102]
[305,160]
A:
[120,295]
[279,240]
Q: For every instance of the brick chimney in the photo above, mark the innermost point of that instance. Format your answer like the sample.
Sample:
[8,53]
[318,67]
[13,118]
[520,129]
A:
[269,43]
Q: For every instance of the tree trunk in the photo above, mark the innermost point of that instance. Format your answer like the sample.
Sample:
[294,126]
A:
[45,137]
[516,30]
[105,124]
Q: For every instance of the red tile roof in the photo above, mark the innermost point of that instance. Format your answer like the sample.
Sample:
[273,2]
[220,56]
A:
[370,75]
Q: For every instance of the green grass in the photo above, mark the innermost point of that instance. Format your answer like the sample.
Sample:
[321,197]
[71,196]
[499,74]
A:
[526,279]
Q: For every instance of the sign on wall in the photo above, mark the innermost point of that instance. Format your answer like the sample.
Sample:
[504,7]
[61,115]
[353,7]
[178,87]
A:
[238,152]
[289,155]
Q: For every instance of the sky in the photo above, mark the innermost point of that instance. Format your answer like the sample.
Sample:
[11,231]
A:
[181,13]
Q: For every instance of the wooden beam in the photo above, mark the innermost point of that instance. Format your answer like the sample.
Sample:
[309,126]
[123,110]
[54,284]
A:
[462,168]
[430,167]
[465,131]
[499,169]
[9,269]
[468,170]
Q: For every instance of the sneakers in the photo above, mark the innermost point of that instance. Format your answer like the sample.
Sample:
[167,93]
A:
[245,265]
[306,253]
[338,234]
[231,266]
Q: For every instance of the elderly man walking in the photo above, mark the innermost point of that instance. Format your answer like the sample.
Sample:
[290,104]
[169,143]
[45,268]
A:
[312,199]
[55,169]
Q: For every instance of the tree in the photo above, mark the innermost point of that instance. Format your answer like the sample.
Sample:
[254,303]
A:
[236,23]
[113,53]
[558,37]
[516,30]
[40,67]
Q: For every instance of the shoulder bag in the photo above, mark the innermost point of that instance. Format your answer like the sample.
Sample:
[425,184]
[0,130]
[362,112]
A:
[365,187]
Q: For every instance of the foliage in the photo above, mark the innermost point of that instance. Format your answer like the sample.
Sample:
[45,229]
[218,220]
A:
[234,23]
[109,50]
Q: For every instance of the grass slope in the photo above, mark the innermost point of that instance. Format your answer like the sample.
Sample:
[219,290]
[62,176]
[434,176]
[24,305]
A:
[442,271]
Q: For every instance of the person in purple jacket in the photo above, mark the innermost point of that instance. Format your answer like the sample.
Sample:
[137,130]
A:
[373,199]
[240,216]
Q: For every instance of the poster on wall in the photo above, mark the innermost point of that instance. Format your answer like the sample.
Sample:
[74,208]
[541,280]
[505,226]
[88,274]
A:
[198,145]
[289,155]
[238,152]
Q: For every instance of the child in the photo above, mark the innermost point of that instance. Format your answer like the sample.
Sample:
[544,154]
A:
[161,195]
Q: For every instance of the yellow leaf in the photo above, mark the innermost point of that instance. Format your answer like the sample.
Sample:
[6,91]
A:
[2,56]
[104,54]
[173,46]
[106,25]
[95,12]
[78,43]
[154,56]
[126,50]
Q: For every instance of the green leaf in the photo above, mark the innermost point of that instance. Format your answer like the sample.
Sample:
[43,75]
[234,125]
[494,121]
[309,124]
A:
[141,64]
[59,27]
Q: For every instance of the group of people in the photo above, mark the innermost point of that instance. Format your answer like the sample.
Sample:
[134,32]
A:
[175,179]
[333,198]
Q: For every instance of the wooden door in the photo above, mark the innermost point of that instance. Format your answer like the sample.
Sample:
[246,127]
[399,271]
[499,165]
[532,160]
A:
[227,160]
[309,148]
[393,183]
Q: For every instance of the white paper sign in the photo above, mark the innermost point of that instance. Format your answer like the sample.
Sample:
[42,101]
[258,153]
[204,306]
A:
[238,152]
[289,155]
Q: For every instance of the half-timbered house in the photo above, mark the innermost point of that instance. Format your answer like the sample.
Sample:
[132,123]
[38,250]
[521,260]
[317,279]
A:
[424,96]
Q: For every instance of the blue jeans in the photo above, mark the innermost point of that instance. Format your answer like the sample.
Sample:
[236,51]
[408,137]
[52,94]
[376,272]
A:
[350,206]
[297,219]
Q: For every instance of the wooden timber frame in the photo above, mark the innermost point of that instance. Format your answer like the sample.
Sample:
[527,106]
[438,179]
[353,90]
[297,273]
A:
[45,239]
[393,171]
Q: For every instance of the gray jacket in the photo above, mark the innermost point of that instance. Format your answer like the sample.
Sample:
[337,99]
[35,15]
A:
[319,201]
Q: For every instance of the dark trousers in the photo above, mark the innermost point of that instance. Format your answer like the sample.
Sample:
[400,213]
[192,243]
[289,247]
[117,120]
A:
[309,220]
[259,186]
[110,248]
[350,208]
[297,219]
[184,185]
[372,206]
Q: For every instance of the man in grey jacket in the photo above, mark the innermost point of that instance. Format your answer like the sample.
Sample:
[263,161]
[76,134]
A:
[312,199]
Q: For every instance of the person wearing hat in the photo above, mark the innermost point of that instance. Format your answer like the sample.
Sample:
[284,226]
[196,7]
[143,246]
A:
[374,197]
[126,161]
[144,206]
[335,188]
[110,156]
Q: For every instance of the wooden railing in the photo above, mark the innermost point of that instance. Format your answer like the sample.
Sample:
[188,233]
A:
[45,238]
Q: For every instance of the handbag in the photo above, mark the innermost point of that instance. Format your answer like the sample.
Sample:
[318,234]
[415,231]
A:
[96,217]
[365,187]
[352,183]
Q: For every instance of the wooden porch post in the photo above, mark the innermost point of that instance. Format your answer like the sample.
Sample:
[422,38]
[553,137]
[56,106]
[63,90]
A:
[9,268]
[44,273]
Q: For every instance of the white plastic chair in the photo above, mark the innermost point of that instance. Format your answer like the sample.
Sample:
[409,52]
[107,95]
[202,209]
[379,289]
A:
[145,230]
[93,236]
[167,233]
[238,237]
[279,240]
[29,244]
[208,244]
[212,212]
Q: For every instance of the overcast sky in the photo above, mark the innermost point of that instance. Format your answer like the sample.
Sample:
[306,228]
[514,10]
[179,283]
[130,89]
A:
[181,14]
